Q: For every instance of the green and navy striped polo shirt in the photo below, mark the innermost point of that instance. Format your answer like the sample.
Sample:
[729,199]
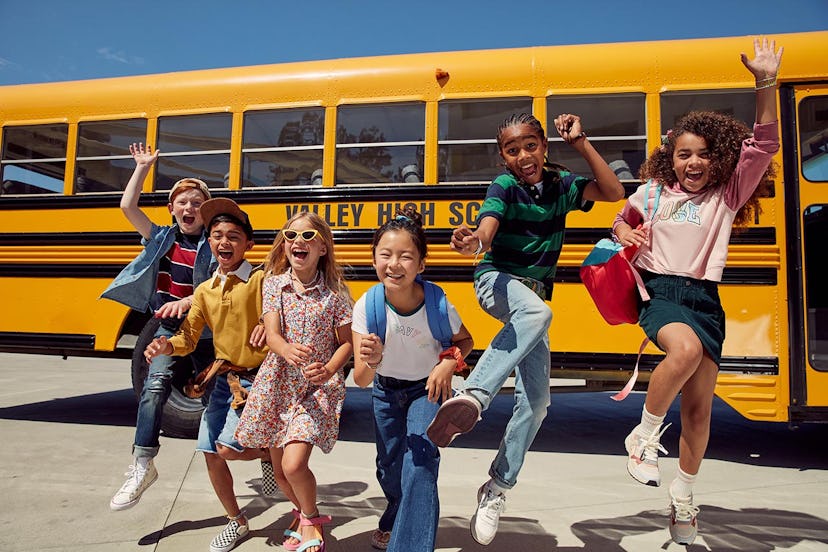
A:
[530,235]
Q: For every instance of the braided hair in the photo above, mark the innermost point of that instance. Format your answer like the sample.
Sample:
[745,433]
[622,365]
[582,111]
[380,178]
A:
[535,125]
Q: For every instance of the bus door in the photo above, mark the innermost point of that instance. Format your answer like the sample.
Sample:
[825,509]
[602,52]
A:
[806,207]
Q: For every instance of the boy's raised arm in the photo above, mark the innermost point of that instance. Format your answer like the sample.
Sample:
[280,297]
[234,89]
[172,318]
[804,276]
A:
[144,159]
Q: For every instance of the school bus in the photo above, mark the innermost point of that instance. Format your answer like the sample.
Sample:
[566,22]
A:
[353,139]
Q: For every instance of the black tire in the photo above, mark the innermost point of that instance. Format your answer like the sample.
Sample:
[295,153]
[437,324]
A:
[182,415]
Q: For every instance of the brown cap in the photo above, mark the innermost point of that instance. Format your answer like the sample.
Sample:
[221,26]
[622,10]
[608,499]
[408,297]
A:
[189,184]
[212,208]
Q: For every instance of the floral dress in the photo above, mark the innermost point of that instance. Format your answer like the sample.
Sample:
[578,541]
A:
[283,406]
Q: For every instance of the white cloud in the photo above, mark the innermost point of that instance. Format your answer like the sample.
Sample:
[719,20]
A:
[107,53]
[119,56]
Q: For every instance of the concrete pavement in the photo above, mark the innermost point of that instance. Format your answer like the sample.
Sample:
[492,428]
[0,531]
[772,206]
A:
[67,427]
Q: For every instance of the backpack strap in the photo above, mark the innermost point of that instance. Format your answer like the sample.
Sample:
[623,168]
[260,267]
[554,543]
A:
[653,193]
[375,310]
[621,395]
[437,312]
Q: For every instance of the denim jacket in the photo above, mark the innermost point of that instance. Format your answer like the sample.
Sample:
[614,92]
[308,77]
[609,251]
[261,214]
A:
[136,283]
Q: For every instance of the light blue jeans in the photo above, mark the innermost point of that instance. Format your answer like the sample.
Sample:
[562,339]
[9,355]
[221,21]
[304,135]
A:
[522,347]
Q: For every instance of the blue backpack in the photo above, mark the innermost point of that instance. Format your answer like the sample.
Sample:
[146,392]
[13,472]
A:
[436,311]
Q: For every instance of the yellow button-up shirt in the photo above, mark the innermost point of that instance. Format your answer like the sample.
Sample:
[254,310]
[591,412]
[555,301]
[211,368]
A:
[230,306]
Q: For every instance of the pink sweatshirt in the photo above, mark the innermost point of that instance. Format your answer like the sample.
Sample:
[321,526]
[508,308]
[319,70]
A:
[691,231]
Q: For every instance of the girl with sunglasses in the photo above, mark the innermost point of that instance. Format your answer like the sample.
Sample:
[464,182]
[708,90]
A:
[296,400]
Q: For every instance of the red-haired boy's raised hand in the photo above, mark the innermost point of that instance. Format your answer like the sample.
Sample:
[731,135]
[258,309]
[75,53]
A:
[142,155]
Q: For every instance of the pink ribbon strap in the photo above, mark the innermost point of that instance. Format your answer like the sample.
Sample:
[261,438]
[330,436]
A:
[621,395]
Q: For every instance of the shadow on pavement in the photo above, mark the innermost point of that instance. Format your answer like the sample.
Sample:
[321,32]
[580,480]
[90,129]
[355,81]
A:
[720,529]
[583,423]
[723,530]
[592,423]
[116,408]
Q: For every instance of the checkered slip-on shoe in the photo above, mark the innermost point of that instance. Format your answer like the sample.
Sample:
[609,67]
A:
[229,537]
[269,487]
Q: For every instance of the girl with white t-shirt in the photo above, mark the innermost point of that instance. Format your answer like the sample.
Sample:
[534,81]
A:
[411,375]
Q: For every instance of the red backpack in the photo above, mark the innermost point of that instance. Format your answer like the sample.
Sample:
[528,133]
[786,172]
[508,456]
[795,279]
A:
[614,283]
[609,276]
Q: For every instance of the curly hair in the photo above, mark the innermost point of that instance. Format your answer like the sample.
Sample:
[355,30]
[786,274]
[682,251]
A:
[333,273]
[724,136]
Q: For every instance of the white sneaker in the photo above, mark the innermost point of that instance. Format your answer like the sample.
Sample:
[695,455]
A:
[489,507]
[683,522]
[642,455]
[138,480]
[229,537]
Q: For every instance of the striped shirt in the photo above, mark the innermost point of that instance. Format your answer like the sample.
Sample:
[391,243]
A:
[175,274]
[530,235]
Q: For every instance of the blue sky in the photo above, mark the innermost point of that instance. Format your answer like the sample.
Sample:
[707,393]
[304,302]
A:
[57,40]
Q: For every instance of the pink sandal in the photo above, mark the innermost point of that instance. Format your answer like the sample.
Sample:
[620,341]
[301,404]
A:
[318,522]
[291,532]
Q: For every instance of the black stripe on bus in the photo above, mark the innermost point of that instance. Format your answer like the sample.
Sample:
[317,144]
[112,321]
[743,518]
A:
[30,340]
[573,236]
[276,196]
[565,274]
[614,366]
[625,363]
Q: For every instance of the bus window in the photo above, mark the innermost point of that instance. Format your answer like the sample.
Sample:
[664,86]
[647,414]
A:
[283,147]
[740,104]
[467,146]
[813,138]
[615,125]
[194,146]
[380,143]
[34,159]
[103,162]
[815,228]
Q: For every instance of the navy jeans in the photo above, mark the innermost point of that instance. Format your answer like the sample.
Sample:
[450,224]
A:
[156,391]
[407,463]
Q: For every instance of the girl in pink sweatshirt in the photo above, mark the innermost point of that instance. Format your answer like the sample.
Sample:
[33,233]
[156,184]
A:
[709,169]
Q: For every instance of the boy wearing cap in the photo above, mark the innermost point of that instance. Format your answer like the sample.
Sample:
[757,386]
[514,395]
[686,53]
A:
[230,304]
[161,279]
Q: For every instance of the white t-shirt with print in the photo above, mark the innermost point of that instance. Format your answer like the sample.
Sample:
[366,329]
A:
[410,351]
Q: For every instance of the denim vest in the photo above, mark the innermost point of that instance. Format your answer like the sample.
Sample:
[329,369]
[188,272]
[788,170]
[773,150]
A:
[136,283]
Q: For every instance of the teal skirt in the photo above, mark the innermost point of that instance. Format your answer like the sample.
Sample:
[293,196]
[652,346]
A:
[687,301]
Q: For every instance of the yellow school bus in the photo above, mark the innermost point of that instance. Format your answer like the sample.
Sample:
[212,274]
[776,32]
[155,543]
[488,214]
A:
[353,139]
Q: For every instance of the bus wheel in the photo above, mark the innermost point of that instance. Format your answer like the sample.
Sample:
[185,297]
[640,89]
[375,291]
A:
[182,415]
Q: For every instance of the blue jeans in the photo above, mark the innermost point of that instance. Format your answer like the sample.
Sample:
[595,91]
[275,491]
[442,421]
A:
[219,419]
[156,391]
[522,347]
[407,463]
